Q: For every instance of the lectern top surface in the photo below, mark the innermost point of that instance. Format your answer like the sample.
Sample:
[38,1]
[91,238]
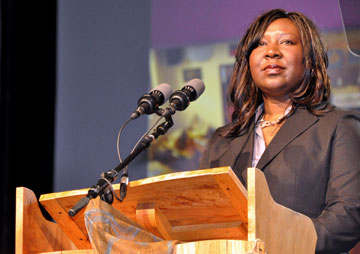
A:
[191,201]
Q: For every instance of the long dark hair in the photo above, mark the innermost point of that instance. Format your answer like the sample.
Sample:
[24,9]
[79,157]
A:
[245,97]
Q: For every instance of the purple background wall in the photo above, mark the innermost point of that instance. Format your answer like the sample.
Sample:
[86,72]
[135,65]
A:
[176,23]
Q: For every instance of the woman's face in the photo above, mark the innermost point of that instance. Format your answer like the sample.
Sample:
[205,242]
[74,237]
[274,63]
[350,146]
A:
[276,64]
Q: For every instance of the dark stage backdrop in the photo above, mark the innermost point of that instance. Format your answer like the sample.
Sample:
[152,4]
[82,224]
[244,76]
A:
[28,39]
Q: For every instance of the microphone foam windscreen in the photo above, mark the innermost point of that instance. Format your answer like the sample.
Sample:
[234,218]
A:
[198,86]
[165,89]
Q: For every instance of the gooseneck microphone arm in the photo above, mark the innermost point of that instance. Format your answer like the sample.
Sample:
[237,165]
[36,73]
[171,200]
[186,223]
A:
[108,177]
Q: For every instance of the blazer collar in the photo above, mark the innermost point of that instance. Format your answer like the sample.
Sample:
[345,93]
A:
[294,126]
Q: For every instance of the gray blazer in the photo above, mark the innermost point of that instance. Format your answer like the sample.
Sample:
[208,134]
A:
[312,167]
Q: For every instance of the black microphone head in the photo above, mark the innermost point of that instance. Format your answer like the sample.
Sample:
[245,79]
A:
[163,91]
[155,98]
[148,103]
[196,87]
[181,99]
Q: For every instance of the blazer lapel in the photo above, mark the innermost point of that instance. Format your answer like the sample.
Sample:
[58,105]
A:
[299,122]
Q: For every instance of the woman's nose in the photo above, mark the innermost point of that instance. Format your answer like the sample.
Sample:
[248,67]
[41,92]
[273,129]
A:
[272,51]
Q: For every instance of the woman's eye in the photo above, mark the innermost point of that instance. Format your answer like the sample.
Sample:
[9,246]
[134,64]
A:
[261,43]
[288,42]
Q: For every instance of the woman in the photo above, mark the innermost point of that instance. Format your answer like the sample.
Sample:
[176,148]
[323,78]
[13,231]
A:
[284,125]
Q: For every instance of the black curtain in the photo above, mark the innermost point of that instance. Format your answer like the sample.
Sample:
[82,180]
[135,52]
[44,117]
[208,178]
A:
[27,104]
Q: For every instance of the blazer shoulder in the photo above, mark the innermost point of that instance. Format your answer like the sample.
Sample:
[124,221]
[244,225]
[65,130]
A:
[216,146]
[218,138]
[338,114]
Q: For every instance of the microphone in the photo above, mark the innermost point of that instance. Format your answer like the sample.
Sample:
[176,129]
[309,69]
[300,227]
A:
[181,99]
[148,103]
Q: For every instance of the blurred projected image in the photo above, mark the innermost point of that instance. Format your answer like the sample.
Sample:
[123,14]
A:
[183,145]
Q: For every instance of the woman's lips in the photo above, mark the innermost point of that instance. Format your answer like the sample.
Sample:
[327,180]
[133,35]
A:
[273,69]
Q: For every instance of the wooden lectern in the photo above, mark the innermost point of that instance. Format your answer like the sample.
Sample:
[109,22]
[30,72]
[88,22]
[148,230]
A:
[208,210]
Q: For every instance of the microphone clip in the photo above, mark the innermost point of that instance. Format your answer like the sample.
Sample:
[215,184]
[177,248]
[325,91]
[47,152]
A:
[124,181]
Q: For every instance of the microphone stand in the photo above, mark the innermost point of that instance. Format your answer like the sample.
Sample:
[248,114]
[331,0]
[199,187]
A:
[103,184]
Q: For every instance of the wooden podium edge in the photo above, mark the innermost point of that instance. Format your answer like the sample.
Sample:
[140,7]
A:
[282,229]
[33,233]
[223,247]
